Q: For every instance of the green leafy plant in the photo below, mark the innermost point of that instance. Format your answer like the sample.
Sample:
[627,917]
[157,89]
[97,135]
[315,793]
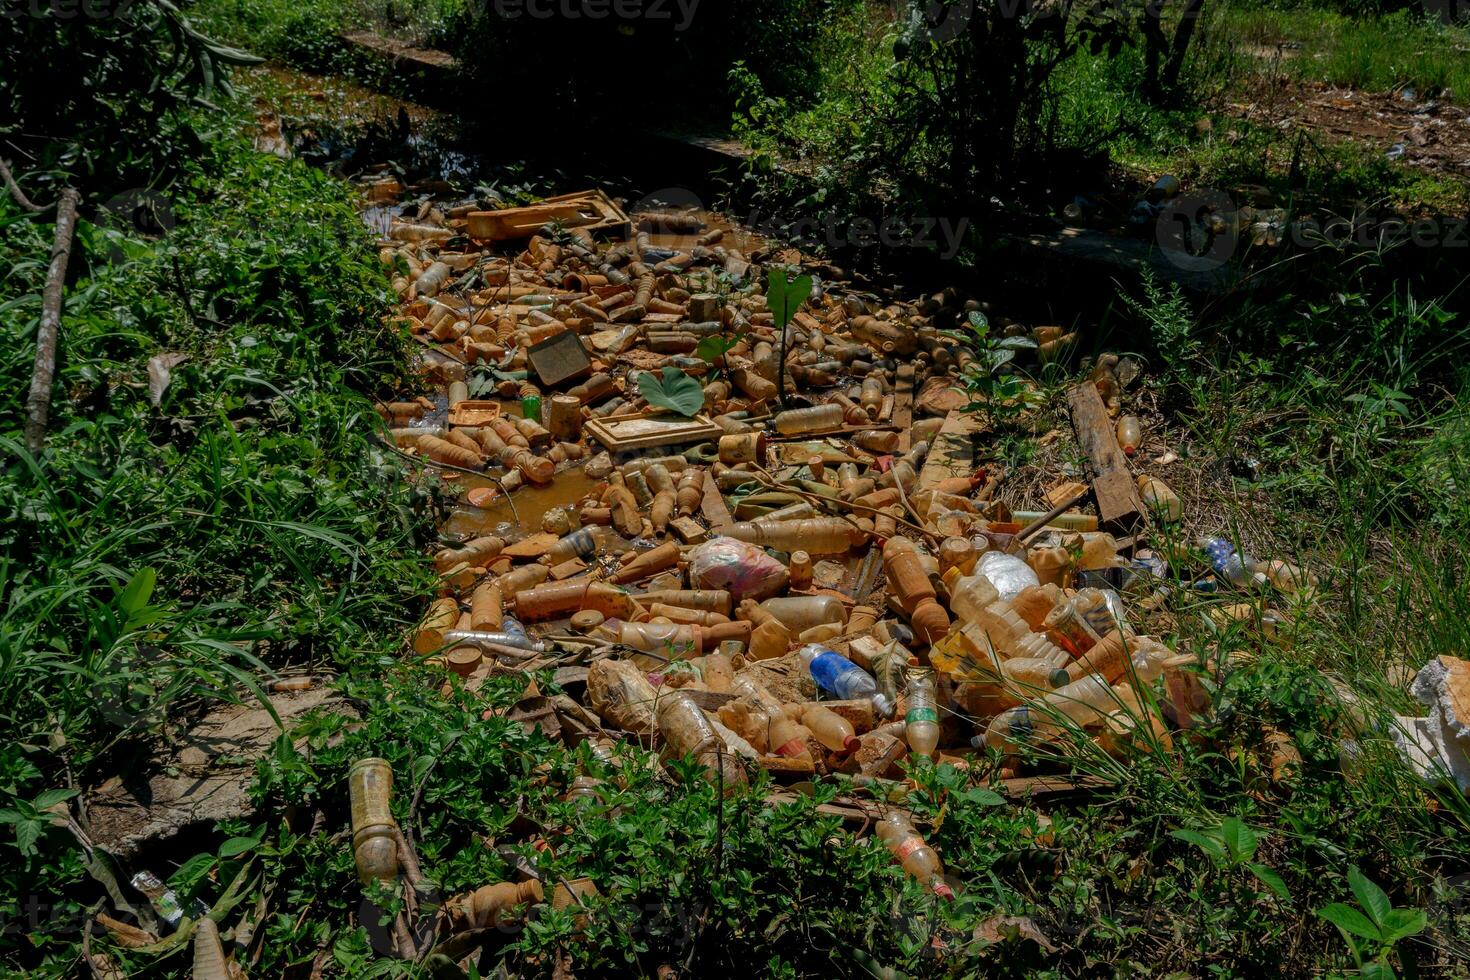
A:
[674,390]
[1001,396]
[1232,845]
[784,297]
[1376,921]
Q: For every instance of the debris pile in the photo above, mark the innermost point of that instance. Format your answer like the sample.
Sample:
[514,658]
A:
[693,483]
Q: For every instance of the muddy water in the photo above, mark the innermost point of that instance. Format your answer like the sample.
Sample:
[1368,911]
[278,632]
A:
[530,504]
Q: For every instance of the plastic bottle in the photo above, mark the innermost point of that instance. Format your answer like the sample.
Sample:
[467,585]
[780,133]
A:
[1130,434]
[1034,603]
[839,676]
[758,695]
[672,639]
[921,721]
[369,787]
[969,595]
[834,732]
[492,906]
[800,613]
[791,512]
[1080,702]
[585,543]
[958,553]
[687,732]
[801,570]
[1051,565]
[909,581]
[1160,498]
[1099,550]
[789,737]
[818,418]
[749,722]
[815,536]
[708,600]
[553,599]
[523,578]
[1066,625]
[1230,564]
[1009,574]
[917,858]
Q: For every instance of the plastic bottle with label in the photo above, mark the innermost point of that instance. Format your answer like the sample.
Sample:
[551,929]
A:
[1079,703]
[815,536]
[789,738]
[921,721]
[915,856]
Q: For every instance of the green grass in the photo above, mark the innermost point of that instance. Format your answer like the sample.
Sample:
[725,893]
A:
[1373,53]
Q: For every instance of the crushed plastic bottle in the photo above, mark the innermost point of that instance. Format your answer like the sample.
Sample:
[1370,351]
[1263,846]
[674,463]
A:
[840,677]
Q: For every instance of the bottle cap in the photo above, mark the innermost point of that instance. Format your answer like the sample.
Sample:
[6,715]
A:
[882,705]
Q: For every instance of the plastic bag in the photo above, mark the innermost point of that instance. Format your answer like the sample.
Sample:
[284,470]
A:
[1009,574]
[741,569]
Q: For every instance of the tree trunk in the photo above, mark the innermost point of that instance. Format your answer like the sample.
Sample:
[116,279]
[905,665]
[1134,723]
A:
[1153,47]
[38,404]
[1182,36]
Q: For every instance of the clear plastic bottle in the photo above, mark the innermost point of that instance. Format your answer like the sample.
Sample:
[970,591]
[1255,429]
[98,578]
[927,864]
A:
[969,595]
[834,732]
[815,536]
[758,696]
[839,676]
[1066,625]
[1130,434]
[921,721]
[1080,702]
[800,613]
[915,856]
[687,732]
[818,418]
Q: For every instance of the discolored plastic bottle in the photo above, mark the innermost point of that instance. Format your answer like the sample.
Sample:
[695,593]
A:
[687,732]
[915,856]
[1160,498]
[369,787]
[834,732]
[815,536]
[818,418]
[789,737]
[1130,434]
[921,721]
[800,613]
[749,722]
[585,543]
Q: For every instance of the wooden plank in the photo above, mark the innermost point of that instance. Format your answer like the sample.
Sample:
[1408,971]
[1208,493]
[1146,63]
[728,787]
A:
[713,505]
[1118,506]
[903,404]
[953,451]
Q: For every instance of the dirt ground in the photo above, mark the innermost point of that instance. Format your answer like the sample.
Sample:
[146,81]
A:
[1429,133]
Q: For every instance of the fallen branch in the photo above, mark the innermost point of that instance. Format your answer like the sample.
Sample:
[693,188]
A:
[16,192]
[38,404]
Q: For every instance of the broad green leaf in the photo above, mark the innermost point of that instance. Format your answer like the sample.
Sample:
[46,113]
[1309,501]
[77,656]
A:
[784,296]
[27,832]
[236,846]
[714,347]
[191,872]
[1209,845]
[979,324]
[1403,923]
[1240,840]
[982,796]
[1370,897]
[54,796]
[1350,920]
[1377,970]
[675,391]
[1271,880]
[135,595]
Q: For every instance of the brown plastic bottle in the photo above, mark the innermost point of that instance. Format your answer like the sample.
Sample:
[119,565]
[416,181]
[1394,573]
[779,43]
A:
[538,469]
[800,613]
[816,535]
[910,584]
[520,579]
[709,600]
[815,419]
[487,609]
[442,616]
[747,721]
[553,599]
[492,906]
[871,396]
[369,787]
[664,556]
[801,570]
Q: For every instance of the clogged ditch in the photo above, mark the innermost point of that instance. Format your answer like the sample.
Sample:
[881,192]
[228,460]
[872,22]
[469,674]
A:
[824,585]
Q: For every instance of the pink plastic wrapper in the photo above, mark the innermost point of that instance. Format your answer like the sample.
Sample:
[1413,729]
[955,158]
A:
[741,569]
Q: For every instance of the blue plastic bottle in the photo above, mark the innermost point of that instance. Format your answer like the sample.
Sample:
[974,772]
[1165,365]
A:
[840,677]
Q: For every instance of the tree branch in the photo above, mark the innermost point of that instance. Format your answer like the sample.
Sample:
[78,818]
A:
[38,403]
[15,191]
